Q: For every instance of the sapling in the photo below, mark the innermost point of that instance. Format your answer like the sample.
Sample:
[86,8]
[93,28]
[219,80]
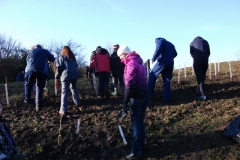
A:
[148,69]
[192,70]
[230,69]
[95,83]
[36,95]
[121,132]
[215,68]
[185,72]
[59,131]
[55,87]
[218,66]
[122,114]
[78,126]
[45,89]
[179,74]
[210,70]
[6,90]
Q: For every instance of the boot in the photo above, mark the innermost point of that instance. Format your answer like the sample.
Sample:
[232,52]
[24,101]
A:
[123,90]
[114,93]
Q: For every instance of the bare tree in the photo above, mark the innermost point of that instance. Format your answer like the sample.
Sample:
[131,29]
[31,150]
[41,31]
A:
[55,47]
[12,57]
[9,47]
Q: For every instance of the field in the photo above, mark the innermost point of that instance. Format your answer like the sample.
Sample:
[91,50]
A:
[184,129]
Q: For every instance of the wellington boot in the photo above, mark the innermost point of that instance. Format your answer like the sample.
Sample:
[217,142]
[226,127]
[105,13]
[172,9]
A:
[114,93]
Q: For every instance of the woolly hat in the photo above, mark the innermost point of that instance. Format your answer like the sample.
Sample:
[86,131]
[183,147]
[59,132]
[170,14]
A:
[116,46]
[123,49]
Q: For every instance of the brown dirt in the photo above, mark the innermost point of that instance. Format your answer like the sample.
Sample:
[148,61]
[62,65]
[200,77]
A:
[184,129]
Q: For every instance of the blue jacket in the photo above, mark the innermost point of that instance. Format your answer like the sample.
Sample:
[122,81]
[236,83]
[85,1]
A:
[66,68]
[46,69]
[36,60]
[20,77]
[165,51]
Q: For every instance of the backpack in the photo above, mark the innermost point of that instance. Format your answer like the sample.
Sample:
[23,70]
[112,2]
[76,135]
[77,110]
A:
[232,130]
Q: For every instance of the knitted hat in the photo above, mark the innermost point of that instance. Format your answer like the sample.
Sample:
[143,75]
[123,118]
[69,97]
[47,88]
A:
[123,49]
[116,46]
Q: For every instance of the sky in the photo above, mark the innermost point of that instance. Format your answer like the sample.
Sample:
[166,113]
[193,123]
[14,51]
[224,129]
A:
[136,23]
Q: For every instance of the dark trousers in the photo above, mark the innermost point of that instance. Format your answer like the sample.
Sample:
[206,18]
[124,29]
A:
[117,76]
[137,112]
[166,70]
[103,78]
[200,65]
[32,78]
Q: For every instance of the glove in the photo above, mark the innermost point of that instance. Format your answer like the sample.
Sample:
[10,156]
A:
[125,107]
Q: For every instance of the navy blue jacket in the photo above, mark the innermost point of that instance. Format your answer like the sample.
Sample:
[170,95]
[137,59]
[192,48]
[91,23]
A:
[199,47]
[165,51]
[36,60]
[20,77]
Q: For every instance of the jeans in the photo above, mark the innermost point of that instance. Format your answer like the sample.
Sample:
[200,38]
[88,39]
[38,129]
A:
[32,78]
[137,112]
[103,78]
[166,70]
[66,86]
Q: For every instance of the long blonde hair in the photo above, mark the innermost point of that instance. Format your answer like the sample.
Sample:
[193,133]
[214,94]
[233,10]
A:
[68,52]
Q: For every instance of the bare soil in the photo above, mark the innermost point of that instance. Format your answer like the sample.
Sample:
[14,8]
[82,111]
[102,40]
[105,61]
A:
[186,128]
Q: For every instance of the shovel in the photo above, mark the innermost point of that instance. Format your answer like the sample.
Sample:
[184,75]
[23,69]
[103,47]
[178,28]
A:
[122,114]
[45,89]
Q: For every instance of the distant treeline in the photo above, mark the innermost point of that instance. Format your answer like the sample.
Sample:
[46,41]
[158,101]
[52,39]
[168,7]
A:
[13,56]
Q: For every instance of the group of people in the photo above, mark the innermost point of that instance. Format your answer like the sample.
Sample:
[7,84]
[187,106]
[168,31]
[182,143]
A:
[127,69]
[36,75]
[102,64]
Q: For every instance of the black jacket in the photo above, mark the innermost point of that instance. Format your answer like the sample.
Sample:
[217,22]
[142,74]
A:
[116,65]
[199,46]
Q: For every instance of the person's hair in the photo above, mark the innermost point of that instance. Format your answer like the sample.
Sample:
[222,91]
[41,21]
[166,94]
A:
[68,53]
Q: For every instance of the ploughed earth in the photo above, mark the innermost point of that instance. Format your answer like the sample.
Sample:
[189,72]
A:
[186,128]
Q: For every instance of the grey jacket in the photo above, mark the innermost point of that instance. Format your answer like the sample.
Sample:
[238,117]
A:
[66,68]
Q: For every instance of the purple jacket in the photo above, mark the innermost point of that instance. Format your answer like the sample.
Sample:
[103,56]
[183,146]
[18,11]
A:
[135,77]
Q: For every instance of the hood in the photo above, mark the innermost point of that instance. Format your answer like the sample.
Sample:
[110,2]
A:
[133,56]
[198,37]
[103,51]
[158,40]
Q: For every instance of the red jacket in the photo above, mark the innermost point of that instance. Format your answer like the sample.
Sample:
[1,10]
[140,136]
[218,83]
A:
[101,62]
